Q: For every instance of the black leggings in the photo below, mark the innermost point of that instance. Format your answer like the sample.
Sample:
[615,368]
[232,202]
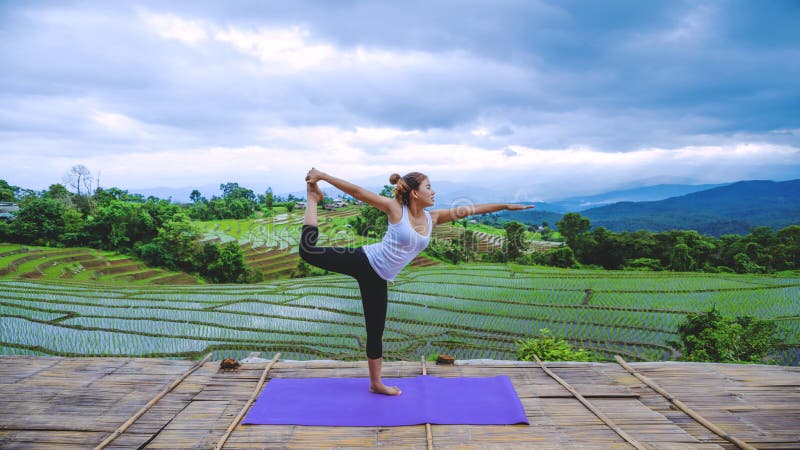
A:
[353,262]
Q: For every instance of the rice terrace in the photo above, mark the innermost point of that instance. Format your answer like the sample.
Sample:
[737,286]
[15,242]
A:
[84,302]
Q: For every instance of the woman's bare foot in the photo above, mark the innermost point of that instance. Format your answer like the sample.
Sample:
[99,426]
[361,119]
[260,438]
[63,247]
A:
[386,390]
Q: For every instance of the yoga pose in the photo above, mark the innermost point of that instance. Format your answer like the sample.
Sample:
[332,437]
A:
[373,265]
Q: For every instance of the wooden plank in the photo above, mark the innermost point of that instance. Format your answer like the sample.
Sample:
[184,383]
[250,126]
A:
[428,433]
[696,416]
[250,401]
[149,404]
[75,402]
[602,416]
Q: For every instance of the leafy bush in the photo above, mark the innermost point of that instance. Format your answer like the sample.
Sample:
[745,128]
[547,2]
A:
[710,337]
[745,265]
[645,264]
[550,348]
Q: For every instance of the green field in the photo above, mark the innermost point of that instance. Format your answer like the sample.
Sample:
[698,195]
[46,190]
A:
[469,311]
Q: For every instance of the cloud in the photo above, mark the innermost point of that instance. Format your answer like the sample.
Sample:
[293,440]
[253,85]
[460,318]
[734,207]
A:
[170,26]
[535,97]
[120,124]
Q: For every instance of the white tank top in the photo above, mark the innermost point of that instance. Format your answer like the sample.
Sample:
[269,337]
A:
[399,246]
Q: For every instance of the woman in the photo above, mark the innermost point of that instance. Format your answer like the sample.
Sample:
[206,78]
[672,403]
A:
[409,232]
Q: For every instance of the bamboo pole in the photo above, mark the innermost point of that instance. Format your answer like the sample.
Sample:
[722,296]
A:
[682,406]
[591,407]
[249,402]
[150,404]
[428,432]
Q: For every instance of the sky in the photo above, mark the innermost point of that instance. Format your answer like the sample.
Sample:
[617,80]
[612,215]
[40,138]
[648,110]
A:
[531,100]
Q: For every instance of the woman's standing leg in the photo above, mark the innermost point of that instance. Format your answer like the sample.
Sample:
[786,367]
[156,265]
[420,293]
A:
[374,298]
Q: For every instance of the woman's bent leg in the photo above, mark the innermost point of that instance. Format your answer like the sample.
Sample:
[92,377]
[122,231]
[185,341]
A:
[344,260]
[313,197]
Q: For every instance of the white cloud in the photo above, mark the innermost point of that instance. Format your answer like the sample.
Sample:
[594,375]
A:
[281,47]
[170,26]
[120,124]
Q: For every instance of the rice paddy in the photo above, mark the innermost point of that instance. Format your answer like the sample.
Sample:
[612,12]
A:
[469,311]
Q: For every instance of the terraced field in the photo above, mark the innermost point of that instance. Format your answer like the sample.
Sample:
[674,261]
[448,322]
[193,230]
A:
[81,264]
[270,244]
[469,311]
[486,242]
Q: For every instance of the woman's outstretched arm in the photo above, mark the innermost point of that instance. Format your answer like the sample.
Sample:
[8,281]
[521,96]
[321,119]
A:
[440,216]
[385,204]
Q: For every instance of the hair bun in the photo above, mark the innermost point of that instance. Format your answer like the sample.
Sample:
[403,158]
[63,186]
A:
[394,178]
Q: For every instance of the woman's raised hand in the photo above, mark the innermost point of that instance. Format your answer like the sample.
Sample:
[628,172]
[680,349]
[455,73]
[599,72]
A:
[516,207]
[314,175]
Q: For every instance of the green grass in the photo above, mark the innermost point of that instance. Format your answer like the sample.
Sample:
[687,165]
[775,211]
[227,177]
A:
[469,311]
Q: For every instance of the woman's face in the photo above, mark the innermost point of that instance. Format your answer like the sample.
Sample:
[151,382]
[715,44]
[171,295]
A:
[424,194]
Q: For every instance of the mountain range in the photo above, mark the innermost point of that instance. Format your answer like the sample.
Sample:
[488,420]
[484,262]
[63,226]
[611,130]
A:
[713,209]
[721,209]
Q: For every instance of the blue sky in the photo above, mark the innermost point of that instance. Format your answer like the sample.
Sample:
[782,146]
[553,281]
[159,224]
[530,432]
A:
[540,99]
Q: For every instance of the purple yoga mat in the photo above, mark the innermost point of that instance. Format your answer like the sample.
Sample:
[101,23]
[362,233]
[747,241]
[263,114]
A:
[425,399]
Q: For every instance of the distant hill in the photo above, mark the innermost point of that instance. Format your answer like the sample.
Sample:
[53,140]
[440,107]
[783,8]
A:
[640,194]
[734,208]
[529,217]
[723,209]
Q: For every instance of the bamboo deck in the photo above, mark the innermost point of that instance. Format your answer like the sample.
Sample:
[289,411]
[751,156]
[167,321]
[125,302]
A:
[64,403]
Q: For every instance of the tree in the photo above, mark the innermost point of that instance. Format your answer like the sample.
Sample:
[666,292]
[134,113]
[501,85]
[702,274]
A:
[372,221]
[79,176]
[120,225]
[178,239]
[743,264]
[571,226]
[515,244]
[59,193]
[232,191]
[39,222]
[602,247]
[195,196]
[680,261]
[223,264]
[709,336]
[387,191]
[269,198]
[7,192]
[74,228]
[788,251]
[561,257]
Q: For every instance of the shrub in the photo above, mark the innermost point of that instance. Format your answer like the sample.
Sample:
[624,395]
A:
[645,264]
[743,264]
[710,337]
[561,257]
[550,348]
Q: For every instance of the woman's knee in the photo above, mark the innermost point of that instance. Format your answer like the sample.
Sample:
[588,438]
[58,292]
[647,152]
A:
[308,241]
[374,349]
